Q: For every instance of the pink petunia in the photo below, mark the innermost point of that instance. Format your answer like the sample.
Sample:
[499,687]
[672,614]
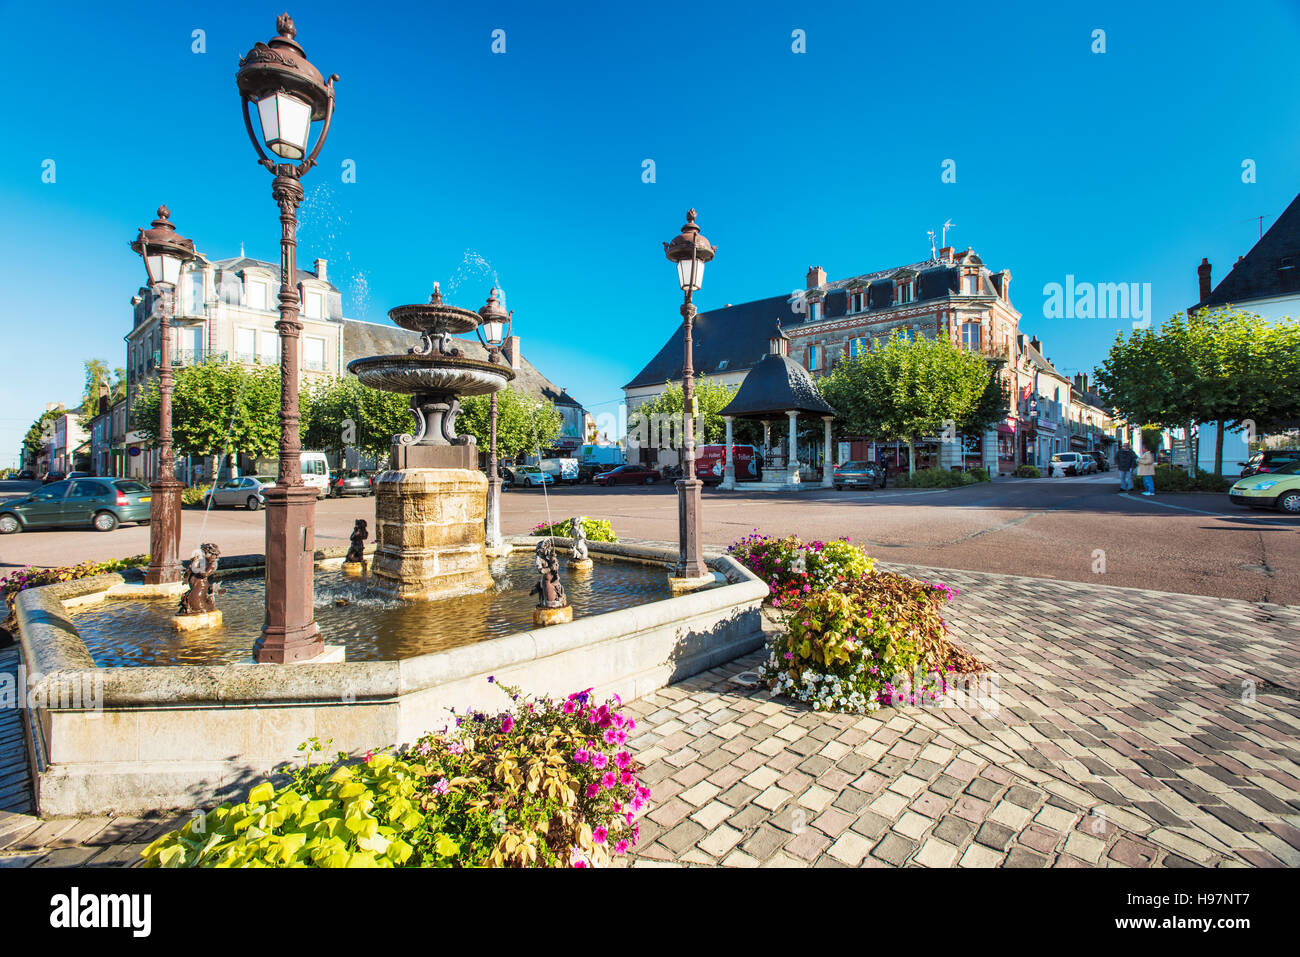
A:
[599,834]
[508,724]
[608,779]
[626,777]
[593,790]
[570,706]
[621,847]
[581,756]
[599,760]
[623,760]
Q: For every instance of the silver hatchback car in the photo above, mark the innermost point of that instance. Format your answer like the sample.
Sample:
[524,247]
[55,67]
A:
[246,491]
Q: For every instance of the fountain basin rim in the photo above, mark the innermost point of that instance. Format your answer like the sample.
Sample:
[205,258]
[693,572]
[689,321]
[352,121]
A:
[434,318]
[59,665]
[416,375]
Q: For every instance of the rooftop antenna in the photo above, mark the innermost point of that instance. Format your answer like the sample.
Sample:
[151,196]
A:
[241,250]
[1261,224]
[947,225]
[934,256]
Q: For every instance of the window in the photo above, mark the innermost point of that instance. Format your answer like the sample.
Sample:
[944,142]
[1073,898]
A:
[315,305]
[194,293]
[970,336]
[814,358]
[903,292]
[270,343]
[858,300]
[313,354]
[814,311]
[859,346]
[245,345]
[255,294]
[970,284]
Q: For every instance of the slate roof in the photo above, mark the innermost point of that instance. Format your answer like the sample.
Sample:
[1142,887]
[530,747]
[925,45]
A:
[736,335]
[1270,269]
[362,339]
[775,386]
[236,263]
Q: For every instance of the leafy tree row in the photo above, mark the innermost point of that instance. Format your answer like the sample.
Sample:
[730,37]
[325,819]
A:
[1226,366]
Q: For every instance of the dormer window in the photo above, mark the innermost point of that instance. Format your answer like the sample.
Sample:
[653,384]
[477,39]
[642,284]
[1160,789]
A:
[255,294]
[814,310]
[970,284]
[314,305]
[858,299]
[904,291]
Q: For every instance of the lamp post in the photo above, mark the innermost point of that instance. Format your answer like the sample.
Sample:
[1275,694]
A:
[164,252]
[689,251]
[493,332]
[289,94]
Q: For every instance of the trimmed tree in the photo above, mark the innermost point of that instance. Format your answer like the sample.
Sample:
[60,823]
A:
[341,413]
[904,390]
[525,424]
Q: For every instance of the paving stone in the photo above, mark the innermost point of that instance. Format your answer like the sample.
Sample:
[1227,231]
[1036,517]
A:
[869,824]
[1133,854]
[977,855]
[892,849]
[1023,796]
[984,789]
[954,830]
[720,840]
[764,842]
[1084,846]
[1040,838]
[912,825]
[712,814]
[935,853]
[1023,857]
[994,835]
[946,786]
[808,844]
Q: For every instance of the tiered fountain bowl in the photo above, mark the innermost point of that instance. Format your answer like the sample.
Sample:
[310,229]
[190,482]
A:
[430,505]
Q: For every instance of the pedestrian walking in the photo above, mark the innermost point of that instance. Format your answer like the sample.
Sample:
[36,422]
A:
[1126,461]
[1146,471]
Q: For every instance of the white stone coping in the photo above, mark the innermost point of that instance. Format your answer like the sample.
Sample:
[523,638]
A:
[59,664]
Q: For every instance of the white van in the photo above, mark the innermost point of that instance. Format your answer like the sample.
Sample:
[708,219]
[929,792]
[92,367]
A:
[562,470]
[315,471]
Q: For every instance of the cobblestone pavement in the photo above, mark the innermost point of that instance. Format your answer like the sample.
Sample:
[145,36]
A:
[1123,735]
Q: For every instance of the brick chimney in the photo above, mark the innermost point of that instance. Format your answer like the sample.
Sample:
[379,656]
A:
[1036,344]
[945,254]
[1203,277]
[816,277]
[511,350]
[320,270]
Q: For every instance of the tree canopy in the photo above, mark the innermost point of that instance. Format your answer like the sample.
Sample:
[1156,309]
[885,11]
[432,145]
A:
[341,412]
[1218,365]
[525,424]
[218,408]
[710,399]
[907,389]
[98,377]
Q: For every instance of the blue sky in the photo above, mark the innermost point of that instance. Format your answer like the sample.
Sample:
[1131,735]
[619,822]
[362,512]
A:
[1124,166]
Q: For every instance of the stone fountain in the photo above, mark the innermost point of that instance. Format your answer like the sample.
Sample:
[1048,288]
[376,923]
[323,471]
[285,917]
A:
[430,505]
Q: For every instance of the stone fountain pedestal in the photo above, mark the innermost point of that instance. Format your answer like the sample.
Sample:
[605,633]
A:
[429,531]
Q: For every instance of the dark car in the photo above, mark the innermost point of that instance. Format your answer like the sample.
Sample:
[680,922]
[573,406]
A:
[1103,464]
[859,475]
[350,482]
[627,475]
[101,503]
[26,475]
[1269,461]
[50,477]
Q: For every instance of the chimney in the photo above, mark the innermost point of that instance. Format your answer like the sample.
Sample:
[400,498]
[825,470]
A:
[816,277]
[511,349]
[945,254]
[320,270]
[1036,344]
[1203,276]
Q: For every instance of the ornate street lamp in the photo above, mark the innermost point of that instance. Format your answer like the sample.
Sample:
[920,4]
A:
[689,251]
[165,252]
[493,332]
[289,95]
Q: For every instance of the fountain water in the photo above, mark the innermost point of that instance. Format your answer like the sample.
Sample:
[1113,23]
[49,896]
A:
[430,505]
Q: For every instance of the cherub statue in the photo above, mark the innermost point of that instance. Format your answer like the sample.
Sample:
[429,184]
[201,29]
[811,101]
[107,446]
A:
[579,535]
[360,532]
[549,591]
[198,599]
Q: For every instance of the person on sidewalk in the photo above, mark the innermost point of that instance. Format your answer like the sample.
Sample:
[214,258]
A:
[1126,461]
[1147,472]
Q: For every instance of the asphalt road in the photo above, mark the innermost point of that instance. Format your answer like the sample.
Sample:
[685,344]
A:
[1076,529]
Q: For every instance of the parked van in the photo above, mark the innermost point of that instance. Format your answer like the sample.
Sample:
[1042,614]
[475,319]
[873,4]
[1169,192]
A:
[562,470]
[315,470]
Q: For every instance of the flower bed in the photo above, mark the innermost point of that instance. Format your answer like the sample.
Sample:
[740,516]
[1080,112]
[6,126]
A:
[862,644]
[30,577]
[598,530]
[794,569]
[548,784]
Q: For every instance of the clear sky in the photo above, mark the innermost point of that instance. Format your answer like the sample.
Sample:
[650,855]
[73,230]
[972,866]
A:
[1122,166]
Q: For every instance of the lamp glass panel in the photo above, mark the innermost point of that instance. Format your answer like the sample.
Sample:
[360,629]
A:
[690,274]
[493,331]
[286,122]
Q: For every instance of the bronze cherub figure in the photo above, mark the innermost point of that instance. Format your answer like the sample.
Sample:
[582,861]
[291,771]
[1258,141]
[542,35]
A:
[549,591]
[360,532]
[198,599]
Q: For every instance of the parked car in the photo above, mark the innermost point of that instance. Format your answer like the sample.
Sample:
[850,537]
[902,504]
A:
[246,491]
[26,475]
[50,477]
[587,472]
[1070,463]
[564,470]
[102,504]
[1268,461]
[527,476]
[859,475]
[350,482]
[1278,489]
[1103,464]
[628,475]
